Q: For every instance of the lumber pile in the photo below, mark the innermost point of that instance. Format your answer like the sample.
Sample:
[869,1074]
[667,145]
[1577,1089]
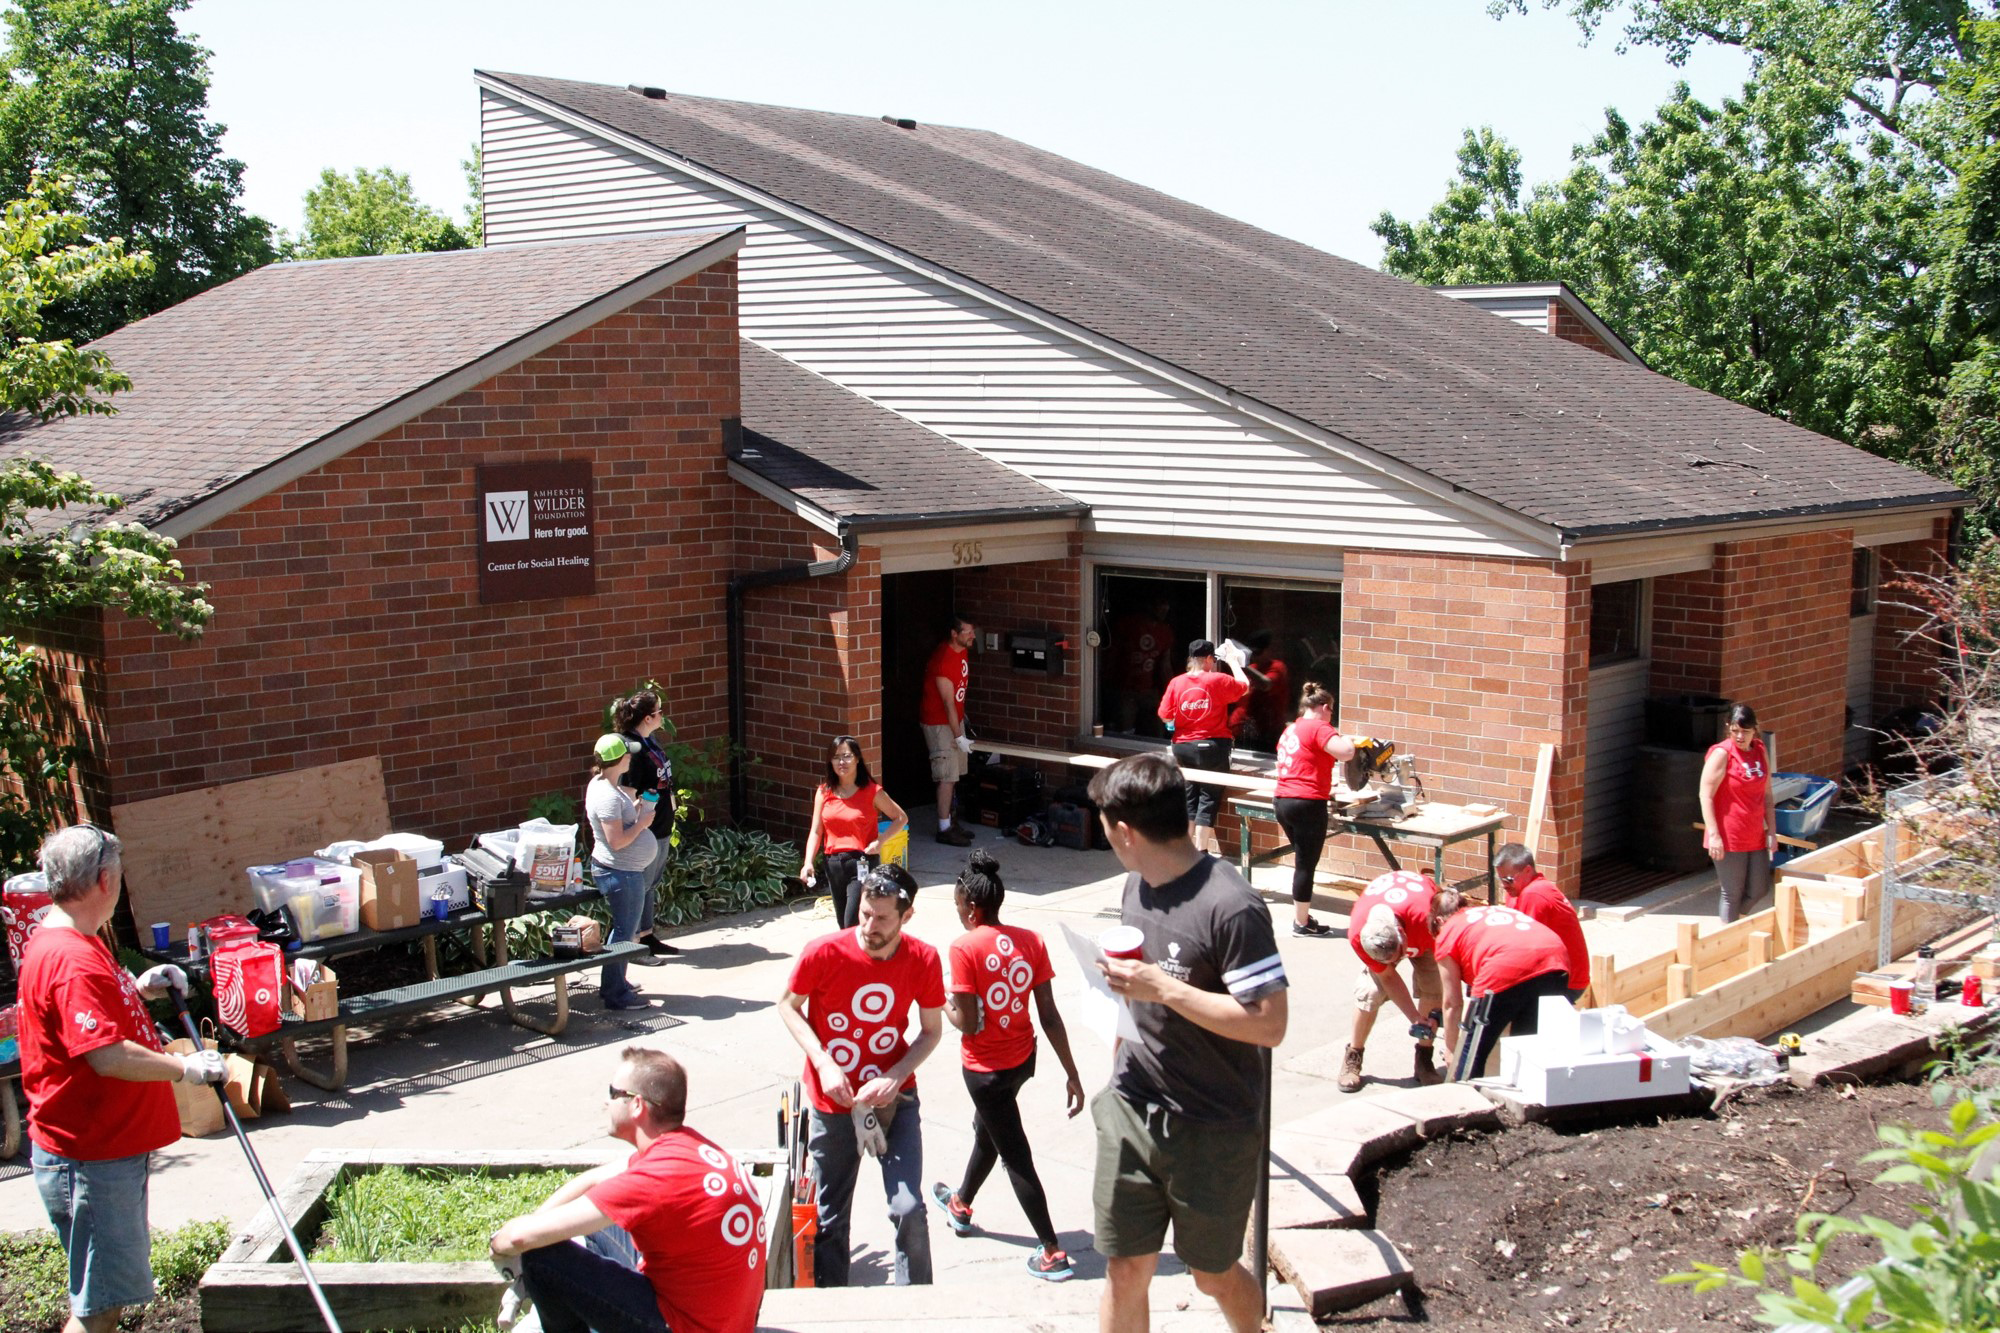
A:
[1764,972]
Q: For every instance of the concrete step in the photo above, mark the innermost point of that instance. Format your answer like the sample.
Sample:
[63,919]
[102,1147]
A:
[1339,1270]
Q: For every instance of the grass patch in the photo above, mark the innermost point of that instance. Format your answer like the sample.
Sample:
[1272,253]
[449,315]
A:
[34,1272]
[424,1214]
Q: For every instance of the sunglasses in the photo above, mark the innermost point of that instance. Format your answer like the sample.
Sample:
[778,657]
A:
[97,857]
[618,1094]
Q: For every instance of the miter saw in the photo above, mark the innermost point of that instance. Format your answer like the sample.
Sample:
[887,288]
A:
[1385,784]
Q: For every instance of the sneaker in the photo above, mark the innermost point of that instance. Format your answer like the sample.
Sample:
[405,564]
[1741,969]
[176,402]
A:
[957,1213]
[1313,928]
[648,960]
[658,947]
[1050,1266]
[633,1001]
[954,837]
[1350,1071]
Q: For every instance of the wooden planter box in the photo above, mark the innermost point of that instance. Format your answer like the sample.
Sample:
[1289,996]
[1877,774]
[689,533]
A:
[256,1288]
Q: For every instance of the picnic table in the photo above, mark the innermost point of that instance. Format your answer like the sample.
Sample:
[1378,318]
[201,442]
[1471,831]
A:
[500,974]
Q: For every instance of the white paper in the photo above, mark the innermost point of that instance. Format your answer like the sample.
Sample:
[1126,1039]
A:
[1104,1013]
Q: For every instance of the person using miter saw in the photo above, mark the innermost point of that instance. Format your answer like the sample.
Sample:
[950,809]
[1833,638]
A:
[1391,922]
[1307,753]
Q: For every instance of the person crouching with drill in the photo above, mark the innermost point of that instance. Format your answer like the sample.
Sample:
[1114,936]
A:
[1391,922]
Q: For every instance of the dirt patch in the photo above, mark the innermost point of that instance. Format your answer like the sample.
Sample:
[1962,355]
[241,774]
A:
[1537,1228]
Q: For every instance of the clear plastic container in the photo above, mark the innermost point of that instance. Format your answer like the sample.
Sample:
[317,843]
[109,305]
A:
[323,911]
[1923,992]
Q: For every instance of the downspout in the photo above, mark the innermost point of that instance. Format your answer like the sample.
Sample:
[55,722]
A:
[739,585]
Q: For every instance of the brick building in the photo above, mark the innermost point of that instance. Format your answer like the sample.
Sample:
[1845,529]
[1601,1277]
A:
[914,370]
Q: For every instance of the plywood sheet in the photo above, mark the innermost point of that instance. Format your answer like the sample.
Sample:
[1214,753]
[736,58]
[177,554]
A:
[184,854]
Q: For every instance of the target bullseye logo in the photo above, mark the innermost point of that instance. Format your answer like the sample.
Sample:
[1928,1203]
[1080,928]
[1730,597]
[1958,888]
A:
[844,1052]
[872,1003]
[837,1022]
[739,1224]
[992,962]
[1004,945]
[998,996]
[714,1185]
[883,1042]
[714,1157]
[1021,975]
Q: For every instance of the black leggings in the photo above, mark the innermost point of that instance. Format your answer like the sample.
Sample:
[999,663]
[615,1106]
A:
[997,1135]
[1304,823]
[1518,1010]
[843,884]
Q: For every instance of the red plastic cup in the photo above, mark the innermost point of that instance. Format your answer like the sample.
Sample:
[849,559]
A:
[1974,994]
[1122,942]
[1899,996]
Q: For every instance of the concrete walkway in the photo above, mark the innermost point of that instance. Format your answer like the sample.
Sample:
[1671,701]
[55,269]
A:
[458,1079]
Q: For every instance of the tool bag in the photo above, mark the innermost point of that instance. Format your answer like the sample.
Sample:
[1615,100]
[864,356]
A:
[249,986]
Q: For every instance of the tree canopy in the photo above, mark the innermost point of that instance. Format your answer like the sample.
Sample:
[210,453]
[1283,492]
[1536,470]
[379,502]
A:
[1821,246]
[372,213]
[50,569]
[111,95]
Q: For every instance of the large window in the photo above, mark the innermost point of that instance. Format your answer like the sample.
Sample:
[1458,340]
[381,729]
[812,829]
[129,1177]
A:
[1147,617]
[1293,632]
[1617,622]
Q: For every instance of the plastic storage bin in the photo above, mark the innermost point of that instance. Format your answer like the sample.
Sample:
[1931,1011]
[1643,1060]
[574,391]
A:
[896,850]
[1803,815]
[322,911]
[426,852]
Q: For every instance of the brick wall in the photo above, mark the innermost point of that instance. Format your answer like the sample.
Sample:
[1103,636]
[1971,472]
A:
[812,662]
[1025,707]
[1687,644]
[348,621]
[1783,633]
[1469,664]
[1565,325]
[1905,667]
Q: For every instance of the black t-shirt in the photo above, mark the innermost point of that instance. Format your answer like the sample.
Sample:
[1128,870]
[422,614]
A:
[1209,929]
[651,771]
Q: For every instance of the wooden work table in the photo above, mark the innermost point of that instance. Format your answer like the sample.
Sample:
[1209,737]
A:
[1433,826]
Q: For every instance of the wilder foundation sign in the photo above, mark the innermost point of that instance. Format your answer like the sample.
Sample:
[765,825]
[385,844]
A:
[535,531]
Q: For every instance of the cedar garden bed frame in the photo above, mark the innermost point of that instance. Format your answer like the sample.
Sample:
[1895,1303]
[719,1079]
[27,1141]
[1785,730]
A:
[256,1288]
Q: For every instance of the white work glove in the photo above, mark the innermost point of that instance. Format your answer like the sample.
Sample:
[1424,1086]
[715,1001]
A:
[869,1136]
[206,1066]
[164,977]
[963,742]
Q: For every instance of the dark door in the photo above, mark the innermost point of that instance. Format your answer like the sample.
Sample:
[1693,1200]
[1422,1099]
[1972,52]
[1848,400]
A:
[914,607]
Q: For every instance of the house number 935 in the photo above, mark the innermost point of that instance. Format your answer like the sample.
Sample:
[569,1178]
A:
[967,553]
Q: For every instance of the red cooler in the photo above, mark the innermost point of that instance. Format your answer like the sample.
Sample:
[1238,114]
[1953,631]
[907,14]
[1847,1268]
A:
[24,901]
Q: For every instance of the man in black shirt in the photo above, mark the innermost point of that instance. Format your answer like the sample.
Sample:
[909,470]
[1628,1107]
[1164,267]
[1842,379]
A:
[1177,1129]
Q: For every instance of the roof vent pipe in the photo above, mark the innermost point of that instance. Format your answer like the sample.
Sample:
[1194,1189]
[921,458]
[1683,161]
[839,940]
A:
[657,94]
[899,122]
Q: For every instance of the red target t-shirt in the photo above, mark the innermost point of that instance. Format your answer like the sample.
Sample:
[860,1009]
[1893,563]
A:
[859,1006]
[76,999]
[1408,895]
[1197,703]
[694,1217]
[1498,947]
[1002,965]
[949,664]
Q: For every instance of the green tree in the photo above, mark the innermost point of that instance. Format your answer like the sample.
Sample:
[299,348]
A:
[1821,246]
[109,94]
[49,569]
[475,186]
[371,213]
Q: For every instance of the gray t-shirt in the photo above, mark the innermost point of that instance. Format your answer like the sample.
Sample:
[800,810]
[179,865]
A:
[1211,930]
[616,808]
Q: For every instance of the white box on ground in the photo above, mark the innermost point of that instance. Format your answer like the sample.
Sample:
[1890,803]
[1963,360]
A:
[1607,1031]
[1552,1075]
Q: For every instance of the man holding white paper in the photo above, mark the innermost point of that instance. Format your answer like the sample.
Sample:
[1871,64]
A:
[1177,1138]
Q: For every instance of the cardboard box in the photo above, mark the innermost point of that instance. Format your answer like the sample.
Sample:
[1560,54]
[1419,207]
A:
[390,889]
[1550,1076]
[317,1001]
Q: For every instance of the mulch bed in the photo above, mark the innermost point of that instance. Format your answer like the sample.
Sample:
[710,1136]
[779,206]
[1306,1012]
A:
[1536,1227]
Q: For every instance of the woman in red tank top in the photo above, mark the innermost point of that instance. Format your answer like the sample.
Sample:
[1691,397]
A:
[1739,813]
[847,809]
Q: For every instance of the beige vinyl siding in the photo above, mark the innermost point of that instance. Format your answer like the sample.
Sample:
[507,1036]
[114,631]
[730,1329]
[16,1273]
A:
[1860,686]
[1152,457]
[1617,727]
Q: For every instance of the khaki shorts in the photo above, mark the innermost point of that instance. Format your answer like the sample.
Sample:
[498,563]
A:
[1155,1167]
[948,762]
[1427,990]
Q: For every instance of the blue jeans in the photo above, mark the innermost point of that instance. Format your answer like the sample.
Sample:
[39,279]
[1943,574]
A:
[625,892]
[837,1165]
[98,1210]
[592,1283]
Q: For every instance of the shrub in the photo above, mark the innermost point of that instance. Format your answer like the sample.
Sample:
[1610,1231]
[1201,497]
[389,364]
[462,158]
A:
[34,1272]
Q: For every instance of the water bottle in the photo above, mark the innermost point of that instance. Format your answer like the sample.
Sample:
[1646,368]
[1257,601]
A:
[1923,993]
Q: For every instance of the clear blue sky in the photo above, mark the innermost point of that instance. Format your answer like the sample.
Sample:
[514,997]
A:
[1305,118]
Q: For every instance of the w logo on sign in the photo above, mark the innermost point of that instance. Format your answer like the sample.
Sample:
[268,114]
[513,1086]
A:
[507,516]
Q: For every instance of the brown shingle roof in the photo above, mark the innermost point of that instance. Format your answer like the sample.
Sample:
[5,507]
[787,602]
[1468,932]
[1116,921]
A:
[861,462]
[1545,428]
[249,374]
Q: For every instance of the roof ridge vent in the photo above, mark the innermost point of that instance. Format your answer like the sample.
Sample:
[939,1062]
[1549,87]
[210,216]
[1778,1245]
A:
[657,94]
[901,123]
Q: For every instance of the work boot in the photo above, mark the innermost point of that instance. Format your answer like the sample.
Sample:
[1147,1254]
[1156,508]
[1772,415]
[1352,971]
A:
[1427,1070]
[954,837]
[1350,1071]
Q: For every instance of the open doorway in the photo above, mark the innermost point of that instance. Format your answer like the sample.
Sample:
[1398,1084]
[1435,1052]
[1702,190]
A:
[913,609]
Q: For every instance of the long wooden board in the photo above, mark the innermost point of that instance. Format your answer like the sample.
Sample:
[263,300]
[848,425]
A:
[184,854]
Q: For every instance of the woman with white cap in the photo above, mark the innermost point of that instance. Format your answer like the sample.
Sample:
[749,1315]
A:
[622,846]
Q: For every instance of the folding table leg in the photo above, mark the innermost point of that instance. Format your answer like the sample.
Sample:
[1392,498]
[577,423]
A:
[10,1114]
[334,1081]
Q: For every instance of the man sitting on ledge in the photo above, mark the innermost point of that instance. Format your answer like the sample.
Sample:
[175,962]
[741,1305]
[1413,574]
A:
[667,1239]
